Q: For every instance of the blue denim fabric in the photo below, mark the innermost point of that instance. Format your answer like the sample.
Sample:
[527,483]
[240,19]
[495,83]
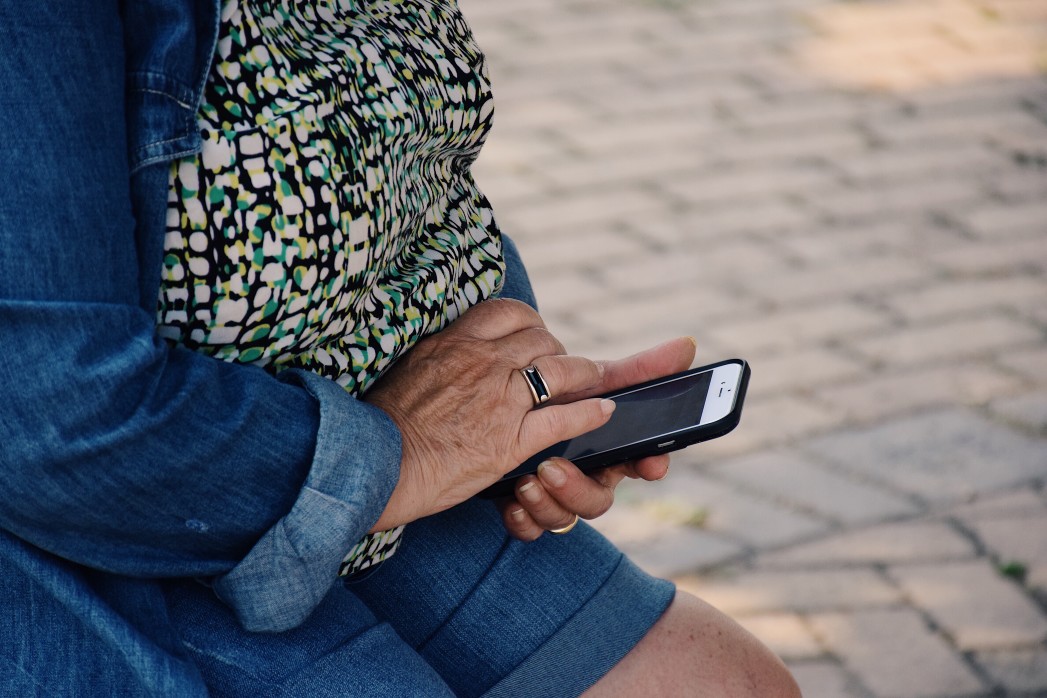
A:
[461,609]
[123,460]
[119,452]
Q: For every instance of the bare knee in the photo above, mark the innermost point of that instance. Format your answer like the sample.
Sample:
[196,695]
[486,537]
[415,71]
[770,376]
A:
[694,650]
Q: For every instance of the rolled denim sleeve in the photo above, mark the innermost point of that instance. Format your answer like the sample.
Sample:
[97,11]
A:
[118,451]
[300,549]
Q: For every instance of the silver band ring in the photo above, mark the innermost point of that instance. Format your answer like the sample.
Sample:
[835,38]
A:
[539,388]
[565,529]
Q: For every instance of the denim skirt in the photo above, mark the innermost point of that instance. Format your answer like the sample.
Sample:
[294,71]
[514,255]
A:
[460,610]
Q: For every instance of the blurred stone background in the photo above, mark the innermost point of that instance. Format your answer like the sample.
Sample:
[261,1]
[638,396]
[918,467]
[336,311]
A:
[853,197]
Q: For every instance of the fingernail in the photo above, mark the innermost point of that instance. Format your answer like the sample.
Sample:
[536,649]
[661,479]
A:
[517,514]
[607,406]
[693,341]
[552,474]
[529,492]
[664,475]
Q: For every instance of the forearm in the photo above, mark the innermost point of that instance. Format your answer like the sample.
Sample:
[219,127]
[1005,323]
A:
[121,453]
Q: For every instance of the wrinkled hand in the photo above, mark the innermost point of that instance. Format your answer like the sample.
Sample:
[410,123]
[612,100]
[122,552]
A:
[560,491]
[465,410]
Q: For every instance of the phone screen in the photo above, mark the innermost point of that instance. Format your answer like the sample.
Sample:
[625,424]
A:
[644,414]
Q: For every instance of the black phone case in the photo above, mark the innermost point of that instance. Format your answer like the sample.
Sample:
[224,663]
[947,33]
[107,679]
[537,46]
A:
[650,447]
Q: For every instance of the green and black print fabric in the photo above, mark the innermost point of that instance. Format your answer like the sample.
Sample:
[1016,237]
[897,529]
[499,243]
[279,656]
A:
[331,220]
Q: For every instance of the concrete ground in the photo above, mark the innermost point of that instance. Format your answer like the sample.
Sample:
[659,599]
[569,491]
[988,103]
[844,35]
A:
[852,196]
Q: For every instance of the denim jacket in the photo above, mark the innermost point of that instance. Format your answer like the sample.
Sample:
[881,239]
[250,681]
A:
[119,453]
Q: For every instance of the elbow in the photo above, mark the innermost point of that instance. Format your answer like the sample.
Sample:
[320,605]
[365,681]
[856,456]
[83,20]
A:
[69,391]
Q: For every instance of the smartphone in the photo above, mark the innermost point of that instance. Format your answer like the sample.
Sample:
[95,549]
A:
[659,416]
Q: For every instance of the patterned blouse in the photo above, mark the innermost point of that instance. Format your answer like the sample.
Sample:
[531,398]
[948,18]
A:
[331,219]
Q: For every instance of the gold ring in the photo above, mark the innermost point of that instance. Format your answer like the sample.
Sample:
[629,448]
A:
[565,529]
[536,382]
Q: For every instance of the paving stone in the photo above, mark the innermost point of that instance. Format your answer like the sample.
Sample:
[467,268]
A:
[742,183]
[618,168]
[895,654]
[621,137]
[966,296]
[790,477]
[565,252]
[693,226]
[941,456]
[915,161]
[953,339]
[857,278]
[874,24]
[692,229]
[1019,670]
[960,127]
[862,203]
[1017,539]
[719,264]
[506,185]
[1028,410]
[804,369]
[826,678]
[1024,502]
[678,551]
[784,633]
[754,592]
[917,541]
[997,221]
[656,272]
[559,290]
[591,210]
[658,316]
[886,393]
[1031,363]
[685,494]
[770,146]
[687,266]
[799,115]
[685,167]
[977,607]
[995,257]
[1026,184]
[664,548]
[939,101]
[772,421]
[802,327]
[910,236]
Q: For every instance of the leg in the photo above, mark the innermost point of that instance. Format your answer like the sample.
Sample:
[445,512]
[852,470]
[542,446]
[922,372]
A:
[694,650]
[499,618]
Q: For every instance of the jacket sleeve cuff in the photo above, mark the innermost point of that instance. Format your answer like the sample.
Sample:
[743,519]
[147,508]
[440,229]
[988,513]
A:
[355,467]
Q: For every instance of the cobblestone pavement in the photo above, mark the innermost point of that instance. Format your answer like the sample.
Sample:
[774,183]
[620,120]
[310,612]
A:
[853,196]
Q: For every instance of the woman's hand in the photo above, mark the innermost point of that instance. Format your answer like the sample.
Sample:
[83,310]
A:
[560,491]
[466,412]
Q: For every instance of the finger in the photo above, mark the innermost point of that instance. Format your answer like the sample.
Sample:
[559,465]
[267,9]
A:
[570,490]
[543,428]
[663,360]
[497,318]
[544,509]
[561,374]
[518,523]
[610,477]
[523,346]
[651,468]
